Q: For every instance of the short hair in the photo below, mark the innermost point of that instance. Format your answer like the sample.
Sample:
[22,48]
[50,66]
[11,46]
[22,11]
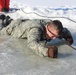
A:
[57,24]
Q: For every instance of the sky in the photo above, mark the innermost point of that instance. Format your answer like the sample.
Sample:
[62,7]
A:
[49,3]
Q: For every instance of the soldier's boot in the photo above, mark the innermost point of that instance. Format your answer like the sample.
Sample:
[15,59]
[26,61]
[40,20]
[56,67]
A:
[5,20]
[2,17]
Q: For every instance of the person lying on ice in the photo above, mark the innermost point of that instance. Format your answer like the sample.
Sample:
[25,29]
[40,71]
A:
[35,31]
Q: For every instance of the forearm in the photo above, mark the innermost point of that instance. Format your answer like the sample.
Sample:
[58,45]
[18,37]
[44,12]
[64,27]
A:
[38,48]
[34,36]
[67,36]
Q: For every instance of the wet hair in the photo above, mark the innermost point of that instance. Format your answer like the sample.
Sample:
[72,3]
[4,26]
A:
[57,24]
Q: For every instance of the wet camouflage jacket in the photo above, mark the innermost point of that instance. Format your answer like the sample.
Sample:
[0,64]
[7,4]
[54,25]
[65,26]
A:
[32,30]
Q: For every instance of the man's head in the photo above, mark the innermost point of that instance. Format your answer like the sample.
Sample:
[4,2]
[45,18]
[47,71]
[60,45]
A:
[54,29]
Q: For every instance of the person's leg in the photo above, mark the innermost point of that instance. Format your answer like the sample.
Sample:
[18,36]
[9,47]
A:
[2,17]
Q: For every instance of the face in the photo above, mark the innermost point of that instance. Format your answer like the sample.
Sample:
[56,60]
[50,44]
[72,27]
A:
[52,33]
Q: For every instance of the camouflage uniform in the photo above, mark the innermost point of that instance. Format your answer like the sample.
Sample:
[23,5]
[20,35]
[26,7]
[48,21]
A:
[32,30]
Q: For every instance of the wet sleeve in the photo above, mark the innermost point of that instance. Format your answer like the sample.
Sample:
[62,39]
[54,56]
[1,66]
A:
[10,28]
[66,34]
[34,43]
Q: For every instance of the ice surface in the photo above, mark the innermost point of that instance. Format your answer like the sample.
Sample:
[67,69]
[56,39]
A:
[17,59]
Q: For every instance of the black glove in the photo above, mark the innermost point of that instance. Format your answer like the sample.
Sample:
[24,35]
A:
[69,41]
[2,16]
[5,20]
[67,36]
[52,51]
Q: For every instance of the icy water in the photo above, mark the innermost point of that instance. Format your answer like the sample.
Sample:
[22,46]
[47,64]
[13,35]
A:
[17,59]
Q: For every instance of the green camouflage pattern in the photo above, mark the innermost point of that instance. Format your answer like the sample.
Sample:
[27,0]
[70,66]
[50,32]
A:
[32,30]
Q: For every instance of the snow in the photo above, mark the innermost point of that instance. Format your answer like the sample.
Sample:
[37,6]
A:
[15,59]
